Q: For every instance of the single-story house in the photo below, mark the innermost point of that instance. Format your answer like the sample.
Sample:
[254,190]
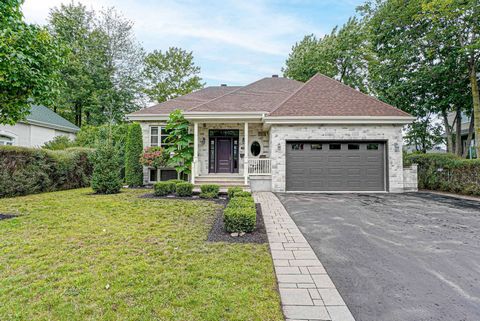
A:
[283,135]
[40,126]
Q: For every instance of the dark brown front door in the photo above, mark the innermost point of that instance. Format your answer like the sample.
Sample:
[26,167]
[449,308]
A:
[224,155]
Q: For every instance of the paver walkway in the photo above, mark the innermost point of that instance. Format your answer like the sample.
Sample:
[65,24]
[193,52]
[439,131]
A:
[306,290]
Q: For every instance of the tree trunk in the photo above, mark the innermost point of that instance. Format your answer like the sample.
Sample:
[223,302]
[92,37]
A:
[476,103]
[458,132]
[448,131]
[469,138]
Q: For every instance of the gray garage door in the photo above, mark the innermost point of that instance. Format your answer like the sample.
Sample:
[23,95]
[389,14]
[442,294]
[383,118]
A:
[335,166]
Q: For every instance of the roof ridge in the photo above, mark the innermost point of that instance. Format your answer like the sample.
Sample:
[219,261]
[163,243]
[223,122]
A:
[292,94]
[231,92]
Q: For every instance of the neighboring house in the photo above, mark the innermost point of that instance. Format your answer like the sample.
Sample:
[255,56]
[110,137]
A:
[39,127]
[283,135]
[464,131]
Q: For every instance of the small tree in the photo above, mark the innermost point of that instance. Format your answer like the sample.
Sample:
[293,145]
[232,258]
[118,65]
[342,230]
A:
[106,170]
[180,143]
[134,148]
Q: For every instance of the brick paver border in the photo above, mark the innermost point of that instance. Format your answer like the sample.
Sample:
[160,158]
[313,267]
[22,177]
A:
[306,290]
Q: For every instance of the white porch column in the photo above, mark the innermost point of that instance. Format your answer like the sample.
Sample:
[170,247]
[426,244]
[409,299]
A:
[195,152]
[245,158]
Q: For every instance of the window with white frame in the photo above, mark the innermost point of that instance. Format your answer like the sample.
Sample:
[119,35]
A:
[6,140]
[158,134]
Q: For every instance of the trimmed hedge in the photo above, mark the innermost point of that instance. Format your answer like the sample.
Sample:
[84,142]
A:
[26,171]
[133,152]
[184,189]
[106,170]
[209,191]
[242,194]
[240,215]
[232,190]
[447,172]
[164,188]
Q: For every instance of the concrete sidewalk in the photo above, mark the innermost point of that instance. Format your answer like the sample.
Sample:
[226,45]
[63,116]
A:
[306,290]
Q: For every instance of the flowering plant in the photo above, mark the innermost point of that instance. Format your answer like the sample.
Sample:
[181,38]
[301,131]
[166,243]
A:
[154,156]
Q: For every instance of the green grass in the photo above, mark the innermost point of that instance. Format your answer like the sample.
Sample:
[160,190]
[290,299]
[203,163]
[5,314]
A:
[71,255]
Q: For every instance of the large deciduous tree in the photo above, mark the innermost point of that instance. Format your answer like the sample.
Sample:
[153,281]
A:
[29,64]
[170,74]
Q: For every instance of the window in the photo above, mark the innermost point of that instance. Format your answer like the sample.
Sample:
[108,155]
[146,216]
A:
[335,146]
[353,146]
[153,175]
[297,146]
[372,146]
[5,140]
[155,136]
[316,146]
[255,148]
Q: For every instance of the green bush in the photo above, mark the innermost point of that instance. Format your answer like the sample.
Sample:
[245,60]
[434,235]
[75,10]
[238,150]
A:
[133,152]
[184,189]
[447,172]
[209,191]
[240,215]
[176,181]
[26,171]
[164,188]
[232,190]
[106,175]
[59,143]
[242,194]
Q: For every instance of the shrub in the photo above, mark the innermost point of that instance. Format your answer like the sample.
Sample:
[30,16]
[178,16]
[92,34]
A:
[106,175]
[240,215]
[184,189]
[209,191]
[59,143]
[164,188]
[242,194]
[232,190]
[133,151]
[176,181]
[26,171]
[154,156]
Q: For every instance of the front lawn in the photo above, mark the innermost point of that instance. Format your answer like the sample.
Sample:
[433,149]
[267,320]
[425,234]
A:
[71,255]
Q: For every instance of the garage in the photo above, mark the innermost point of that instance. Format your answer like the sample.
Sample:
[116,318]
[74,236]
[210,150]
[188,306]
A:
[335,166]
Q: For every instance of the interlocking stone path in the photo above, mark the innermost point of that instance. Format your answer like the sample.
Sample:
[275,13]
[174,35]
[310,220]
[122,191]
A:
[306,290]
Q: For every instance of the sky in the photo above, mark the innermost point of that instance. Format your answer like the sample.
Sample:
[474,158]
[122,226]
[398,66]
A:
[234,42]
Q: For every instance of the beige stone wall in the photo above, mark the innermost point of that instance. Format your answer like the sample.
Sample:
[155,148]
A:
[410,180]
[392,134]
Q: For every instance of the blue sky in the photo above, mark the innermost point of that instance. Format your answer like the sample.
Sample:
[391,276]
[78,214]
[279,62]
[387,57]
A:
[234,42]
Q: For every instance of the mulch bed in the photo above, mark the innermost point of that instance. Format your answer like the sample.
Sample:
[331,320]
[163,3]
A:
[221,200]
[218,233]
[5,216]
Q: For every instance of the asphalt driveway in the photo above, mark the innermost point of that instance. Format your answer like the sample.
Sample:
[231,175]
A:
[401,257]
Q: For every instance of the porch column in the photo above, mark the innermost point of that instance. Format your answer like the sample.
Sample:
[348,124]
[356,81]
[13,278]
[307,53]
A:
[195,152]
[245,158]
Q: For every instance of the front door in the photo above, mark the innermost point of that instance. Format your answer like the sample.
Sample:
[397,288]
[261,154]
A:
[224,155]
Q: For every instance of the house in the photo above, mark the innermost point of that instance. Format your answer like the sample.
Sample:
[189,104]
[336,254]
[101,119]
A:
[39,127]
[284,135]
[465,128]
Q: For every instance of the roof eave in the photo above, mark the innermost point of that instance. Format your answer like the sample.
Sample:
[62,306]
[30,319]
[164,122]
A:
[52,126]
[370,120]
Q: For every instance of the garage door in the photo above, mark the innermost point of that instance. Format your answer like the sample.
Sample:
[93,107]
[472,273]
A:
[335,166]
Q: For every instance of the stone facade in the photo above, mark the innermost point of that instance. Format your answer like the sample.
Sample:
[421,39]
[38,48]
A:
[410,180]
[392,134]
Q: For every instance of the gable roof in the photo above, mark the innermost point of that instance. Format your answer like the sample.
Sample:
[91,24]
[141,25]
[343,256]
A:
[188,101]
[43,116]
[324,96]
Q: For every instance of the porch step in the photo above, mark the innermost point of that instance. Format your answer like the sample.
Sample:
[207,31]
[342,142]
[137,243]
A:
[222,180]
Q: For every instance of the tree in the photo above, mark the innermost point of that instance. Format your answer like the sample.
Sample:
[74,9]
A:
[106,173]
[343,55]
[180,143]
[170,74]
[133,153]
[424,135]
[29,64]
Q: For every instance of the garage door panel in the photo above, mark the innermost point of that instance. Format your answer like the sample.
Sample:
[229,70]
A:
[354,167]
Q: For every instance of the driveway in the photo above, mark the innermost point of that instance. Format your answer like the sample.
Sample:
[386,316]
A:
[398,257]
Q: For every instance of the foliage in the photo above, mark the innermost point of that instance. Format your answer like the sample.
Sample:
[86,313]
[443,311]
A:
[343,54]
[154,156]
[30,170]
[112,249]
[179,142]
[164,188]
[242,193]
[209,190]
[240,215]
[170,74]
[424,134]
[232,190]
[106,174]
[59,143]
[176,181]
[184,189]
[133,153]
[30,60]
[447,172]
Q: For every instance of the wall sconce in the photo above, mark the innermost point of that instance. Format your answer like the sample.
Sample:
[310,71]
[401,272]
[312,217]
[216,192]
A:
[203,141]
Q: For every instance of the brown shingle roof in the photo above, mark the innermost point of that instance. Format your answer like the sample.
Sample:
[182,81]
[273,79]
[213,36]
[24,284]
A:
[323,96]
[263,95]
[187,101]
